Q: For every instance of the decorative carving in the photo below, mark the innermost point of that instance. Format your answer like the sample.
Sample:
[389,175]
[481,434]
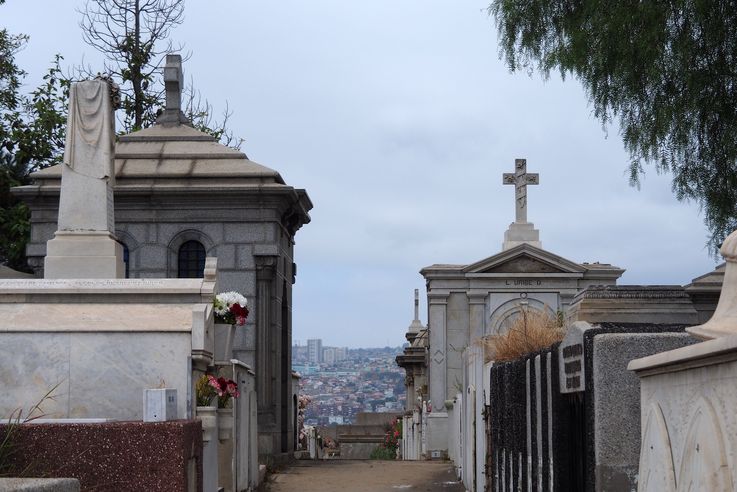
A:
[409,379]
[524,264]
[266,265]
[292,221]
[722,323]
[520,179]
[657,471]
[704,464]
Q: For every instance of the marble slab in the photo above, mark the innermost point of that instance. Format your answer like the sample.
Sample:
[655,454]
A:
[95,317]
[31,366]
[99,375]
[99,286]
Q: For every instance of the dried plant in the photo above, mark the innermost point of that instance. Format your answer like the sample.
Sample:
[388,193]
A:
[8,444]
[531,331]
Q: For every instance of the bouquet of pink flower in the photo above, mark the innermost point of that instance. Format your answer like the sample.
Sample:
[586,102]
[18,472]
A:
[225,389]
[230,308]
[208,386]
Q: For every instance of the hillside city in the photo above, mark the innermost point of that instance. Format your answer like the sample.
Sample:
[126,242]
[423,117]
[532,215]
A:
[343,382]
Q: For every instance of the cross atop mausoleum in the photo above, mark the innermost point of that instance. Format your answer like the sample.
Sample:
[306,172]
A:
[173,84]
[520,179]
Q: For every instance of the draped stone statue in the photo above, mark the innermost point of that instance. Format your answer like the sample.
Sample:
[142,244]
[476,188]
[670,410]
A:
[84,245]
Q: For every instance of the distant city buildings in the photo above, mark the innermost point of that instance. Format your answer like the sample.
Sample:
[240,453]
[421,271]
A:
[314,350]
[315,353]
[348,381]
[328,355]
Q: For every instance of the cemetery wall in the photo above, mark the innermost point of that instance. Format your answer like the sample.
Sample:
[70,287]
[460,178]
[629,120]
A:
[121,456]
[568,418]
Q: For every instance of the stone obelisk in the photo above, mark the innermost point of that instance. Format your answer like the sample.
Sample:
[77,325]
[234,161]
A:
[84,244]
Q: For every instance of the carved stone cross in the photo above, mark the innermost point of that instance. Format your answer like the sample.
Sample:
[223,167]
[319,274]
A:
[520,179]
[173,84]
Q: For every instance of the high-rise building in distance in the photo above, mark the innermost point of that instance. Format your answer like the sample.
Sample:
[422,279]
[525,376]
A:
[314,350]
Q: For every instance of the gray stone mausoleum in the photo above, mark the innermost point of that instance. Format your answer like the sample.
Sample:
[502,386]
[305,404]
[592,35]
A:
[181,196]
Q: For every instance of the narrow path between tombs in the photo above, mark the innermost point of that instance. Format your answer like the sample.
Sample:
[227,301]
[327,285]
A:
[364,476]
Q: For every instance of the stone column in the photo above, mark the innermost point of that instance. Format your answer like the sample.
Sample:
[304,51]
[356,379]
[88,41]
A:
[265,275]
[477,315]
[438,371]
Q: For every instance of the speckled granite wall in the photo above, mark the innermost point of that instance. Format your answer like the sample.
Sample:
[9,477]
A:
[118,456]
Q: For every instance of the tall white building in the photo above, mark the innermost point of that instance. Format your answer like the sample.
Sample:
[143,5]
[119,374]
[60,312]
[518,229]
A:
[341,353]
[328,355]
[314,350]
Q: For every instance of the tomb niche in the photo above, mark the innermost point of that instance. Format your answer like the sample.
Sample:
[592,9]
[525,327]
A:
[179,196]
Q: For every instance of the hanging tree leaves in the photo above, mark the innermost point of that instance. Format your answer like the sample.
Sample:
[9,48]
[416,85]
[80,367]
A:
[667,71]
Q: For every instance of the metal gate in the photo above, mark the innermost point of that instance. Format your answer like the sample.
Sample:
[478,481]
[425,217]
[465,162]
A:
[574,478]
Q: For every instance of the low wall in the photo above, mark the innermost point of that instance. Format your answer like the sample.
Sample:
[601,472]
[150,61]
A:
[117,456]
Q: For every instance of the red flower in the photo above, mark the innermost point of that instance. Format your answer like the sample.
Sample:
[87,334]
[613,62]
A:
[240,313]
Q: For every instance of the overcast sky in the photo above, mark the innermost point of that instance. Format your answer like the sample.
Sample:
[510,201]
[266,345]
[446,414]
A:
[398,118]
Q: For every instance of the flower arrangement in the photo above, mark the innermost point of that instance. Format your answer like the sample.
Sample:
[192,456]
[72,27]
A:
[302,403]
[208,387]
[393,434]
[389,449]
[230,308]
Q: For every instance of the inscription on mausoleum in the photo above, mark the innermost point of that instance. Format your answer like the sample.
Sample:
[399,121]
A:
[524,282]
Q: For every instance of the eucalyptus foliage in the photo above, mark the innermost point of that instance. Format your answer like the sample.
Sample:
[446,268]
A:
[667,71]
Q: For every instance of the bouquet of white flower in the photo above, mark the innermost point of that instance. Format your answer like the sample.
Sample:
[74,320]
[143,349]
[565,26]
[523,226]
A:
[230,308]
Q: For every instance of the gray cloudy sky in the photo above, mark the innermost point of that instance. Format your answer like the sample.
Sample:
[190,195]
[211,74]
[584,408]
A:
[399,119]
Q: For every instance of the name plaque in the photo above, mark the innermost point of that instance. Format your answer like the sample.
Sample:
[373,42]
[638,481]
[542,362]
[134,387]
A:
[524,282]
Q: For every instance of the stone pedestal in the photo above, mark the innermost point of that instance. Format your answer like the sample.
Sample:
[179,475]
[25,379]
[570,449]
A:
[209,418]
[224,336]
[521,233]
[89,254]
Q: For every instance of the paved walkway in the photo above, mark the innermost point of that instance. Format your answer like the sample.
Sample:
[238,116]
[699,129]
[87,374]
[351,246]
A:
[364,476]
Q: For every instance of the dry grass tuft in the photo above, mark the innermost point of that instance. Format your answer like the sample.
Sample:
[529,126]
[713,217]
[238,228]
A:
[530,332]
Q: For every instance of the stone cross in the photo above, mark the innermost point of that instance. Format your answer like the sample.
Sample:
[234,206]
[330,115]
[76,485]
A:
[417,304]
[173,84]
[520,179]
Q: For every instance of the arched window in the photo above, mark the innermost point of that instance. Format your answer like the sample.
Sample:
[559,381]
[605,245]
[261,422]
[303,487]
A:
[127,260]
[191,260]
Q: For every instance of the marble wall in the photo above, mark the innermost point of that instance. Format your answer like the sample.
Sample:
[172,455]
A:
[94,375]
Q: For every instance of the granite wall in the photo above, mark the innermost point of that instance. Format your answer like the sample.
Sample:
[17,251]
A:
[118,456]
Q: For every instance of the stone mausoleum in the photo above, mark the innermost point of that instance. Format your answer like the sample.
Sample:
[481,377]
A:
[469,302]
[179,197]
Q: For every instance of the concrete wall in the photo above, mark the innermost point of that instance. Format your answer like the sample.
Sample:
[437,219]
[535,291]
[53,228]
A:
[617,403]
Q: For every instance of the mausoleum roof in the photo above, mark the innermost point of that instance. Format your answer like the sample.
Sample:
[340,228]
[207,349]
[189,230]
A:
[178,151]
[525,259]
[711,281]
